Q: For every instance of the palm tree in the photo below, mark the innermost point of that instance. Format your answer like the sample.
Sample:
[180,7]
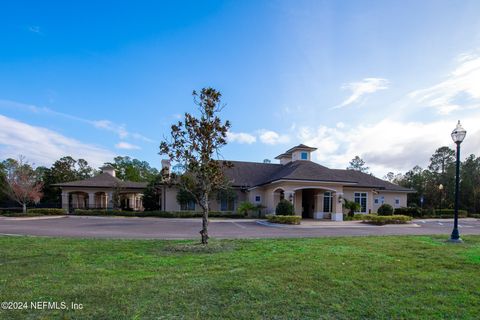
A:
[352,207]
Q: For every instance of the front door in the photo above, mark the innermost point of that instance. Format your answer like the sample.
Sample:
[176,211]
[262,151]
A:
[308,203]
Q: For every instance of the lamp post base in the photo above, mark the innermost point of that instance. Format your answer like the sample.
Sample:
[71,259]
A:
[459,240]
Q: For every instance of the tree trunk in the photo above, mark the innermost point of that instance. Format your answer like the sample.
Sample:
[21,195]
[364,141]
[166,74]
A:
[204,231]
[25,208]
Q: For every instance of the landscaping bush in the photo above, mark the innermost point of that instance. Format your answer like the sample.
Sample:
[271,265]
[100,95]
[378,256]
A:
[284,219]
[99,212]
[382,220]
[284,208]
[414,212]
[47,211]
[159,214]
[448,213]
[474,215]
[385,210]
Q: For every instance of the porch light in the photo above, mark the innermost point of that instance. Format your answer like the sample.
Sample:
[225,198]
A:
[340,197]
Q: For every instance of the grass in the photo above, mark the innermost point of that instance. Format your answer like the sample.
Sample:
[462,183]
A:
[329,278]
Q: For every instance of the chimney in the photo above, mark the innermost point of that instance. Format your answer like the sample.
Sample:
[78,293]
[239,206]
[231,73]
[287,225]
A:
[166,166]
[108,169]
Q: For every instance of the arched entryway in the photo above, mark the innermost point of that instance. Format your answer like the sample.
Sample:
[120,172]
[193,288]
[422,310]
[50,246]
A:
[315,202]
[78,200]
[101,200]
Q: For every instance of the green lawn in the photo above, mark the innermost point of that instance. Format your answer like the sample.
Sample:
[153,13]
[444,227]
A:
[328,278]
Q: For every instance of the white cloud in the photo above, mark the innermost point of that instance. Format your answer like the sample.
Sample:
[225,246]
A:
[388,145]
[460,90]
[272,137]
[361,88]
[118,129]
[43,146]
[126,146]
[241,137]
[110,126]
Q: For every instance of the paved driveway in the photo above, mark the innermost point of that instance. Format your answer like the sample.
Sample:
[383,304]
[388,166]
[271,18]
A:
[158,228]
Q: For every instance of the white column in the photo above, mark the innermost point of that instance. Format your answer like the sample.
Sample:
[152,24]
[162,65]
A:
[337,214]
[91,200]
[318,214]
[110,200]
[65,204]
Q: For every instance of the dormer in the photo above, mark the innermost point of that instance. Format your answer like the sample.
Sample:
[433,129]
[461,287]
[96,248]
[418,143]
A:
[300,152]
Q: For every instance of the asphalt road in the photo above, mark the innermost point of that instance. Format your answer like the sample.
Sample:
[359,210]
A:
[157,228]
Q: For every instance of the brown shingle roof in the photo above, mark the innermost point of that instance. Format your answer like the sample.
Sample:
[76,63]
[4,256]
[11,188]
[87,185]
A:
[103,180]
[251,174]
[368,180]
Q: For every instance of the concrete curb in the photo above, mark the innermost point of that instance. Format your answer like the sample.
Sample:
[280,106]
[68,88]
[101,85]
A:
[338,226]
[31,218]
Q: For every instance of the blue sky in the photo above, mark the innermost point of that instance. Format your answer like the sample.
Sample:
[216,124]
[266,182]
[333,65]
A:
[385,80]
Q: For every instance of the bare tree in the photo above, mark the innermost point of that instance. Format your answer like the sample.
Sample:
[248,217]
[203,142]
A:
[194,143]
[21,183]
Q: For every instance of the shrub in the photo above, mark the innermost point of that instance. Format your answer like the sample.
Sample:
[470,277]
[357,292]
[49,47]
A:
[246,207]
[47,211]
[284,208]
[449,213]
[385,210]
[382,220]
[159,214]
[284,219]
[100,212]
[415,212]
[352,207]
[474,215]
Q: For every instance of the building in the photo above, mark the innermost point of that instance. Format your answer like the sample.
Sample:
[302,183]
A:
[315,191]
[99,192]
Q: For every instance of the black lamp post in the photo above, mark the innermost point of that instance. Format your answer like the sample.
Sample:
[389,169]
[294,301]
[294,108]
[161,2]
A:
[458,134]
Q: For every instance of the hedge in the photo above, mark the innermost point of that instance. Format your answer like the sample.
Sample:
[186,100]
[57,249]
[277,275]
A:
[285,208]
[409,211]
[47,211]
[284,219]
[382,220]
[430,213]
[385,210]
[160,214]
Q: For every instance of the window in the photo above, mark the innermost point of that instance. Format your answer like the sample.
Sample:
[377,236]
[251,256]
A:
[258,199]
[361,198]
[377,200]
[397,201]
[227,205]
[188,206]
[304,156]
[327,202]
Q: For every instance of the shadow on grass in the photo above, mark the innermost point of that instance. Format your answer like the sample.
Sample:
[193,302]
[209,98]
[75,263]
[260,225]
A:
[198,247]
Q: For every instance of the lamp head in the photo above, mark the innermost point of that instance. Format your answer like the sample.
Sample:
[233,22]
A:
[458,134]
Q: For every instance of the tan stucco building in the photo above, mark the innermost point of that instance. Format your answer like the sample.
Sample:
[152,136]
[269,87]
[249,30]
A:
[315,191]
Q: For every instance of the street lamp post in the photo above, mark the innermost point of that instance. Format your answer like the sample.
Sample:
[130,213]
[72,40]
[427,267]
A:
[458,134]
